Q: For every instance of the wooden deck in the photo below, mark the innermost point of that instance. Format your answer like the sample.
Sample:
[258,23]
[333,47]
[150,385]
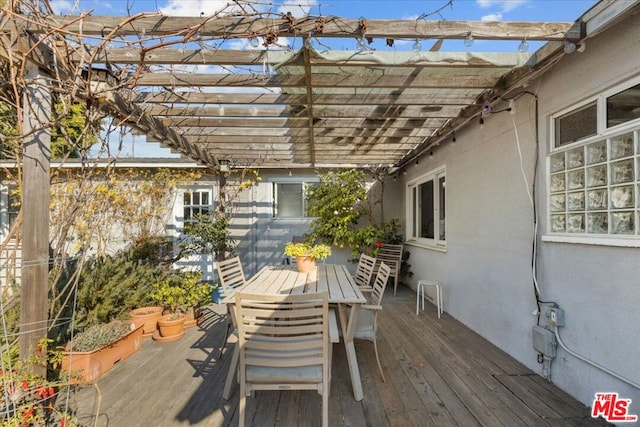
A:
[439,373]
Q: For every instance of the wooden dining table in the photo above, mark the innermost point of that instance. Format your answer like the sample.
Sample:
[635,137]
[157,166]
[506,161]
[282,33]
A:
[334,279]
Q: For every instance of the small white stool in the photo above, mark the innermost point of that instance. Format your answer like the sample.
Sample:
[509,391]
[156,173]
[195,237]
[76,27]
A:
[420,291]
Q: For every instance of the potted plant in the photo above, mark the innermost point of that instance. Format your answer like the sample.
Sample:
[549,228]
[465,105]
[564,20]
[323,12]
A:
[307,254]
[198,293]
[147,317]
[177,294]
[170,295]
[96,350]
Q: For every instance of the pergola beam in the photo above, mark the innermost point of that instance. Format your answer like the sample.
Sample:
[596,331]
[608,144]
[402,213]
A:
[298,123]
[372,112]
[134,116]
[390,98]
[465,80]
[155,24]
[268,140]
[275,131]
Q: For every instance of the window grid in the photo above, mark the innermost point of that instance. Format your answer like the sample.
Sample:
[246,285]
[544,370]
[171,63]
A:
[595,187]
[194,203]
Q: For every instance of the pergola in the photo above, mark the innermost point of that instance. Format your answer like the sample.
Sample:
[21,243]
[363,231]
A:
[290,102]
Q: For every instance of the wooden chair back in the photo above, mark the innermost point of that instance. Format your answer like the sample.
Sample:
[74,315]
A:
[392,256]
[367,323]
[379,284]
[230,274]
[364,272]
[284,344]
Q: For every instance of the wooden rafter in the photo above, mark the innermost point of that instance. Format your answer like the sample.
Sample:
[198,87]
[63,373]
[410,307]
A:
[288,108]
[333,27]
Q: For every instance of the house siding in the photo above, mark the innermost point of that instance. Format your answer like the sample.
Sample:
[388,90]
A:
[486,269]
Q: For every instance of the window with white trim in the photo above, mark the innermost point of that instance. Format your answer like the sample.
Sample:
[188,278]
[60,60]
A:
[289,199]
[195,202]
[594,180]
[426,215]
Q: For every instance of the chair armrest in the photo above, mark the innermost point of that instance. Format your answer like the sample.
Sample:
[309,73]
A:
[362,289]
[371,307]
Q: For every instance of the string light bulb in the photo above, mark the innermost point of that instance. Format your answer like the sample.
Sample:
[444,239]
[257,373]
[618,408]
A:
[468,41]
[254,42]
[523,46]
[486,108]
[453,139]
[361,44]
[569,47]
[481,123]
[417,46]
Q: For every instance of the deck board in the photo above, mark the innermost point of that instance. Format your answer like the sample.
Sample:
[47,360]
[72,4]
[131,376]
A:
[438,372]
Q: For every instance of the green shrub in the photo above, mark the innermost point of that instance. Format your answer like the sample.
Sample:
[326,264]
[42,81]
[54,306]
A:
[111,286]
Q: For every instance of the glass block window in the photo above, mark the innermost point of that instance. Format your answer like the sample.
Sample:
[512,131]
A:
[594,189]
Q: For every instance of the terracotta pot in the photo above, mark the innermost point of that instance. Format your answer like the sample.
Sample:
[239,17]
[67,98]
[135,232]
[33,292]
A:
[191,317]
[87,366]
[147,316]
[171,325]
[305,264]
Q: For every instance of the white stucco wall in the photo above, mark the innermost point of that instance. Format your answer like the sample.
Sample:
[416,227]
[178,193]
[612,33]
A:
[597,286]
[486,269]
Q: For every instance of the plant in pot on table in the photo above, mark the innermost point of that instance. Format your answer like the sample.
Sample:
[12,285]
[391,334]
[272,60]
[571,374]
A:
[307,254]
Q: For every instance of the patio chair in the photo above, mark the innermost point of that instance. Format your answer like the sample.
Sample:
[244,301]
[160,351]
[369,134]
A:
[284,345]
[231,277]
[367,320]
[392,256]
[364,272]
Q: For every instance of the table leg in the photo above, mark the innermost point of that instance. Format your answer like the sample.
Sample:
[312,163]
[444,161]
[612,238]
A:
[348,331]
[233,371]
[233,367]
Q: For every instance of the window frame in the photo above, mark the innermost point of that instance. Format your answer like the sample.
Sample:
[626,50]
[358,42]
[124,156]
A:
[274,197]
[413,209]
[196,189]
[606,137]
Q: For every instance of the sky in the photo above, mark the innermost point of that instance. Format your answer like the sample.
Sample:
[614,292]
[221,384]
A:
[451,10]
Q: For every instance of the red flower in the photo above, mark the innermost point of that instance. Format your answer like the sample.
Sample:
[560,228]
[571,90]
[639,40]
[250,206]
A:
[41,391]
[378,244]
[63,422]
[44,392]
[24,384]
[27,416]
